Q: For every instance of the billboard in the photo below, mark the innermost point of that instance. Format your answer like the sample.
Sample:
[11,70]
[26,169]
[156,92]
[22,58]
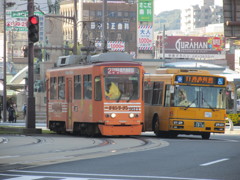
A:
[145,37]
[145,10]
[192,47]
[112,45]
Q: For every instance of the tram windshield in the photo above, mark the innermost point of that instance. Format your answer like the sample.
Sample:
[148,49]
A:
[121,83]
[200,97]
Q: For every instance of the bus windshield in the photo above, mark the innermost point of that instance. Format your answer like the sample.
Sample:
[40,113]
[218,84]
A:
[121,83]
[200,97]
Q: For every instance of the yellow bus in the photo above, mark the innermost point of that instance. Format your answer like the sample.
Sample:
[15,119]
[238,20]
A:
[181,101]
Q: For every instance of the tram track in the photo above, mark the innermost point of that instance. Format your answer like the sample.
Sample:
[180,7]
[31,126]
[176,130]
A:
[45,150]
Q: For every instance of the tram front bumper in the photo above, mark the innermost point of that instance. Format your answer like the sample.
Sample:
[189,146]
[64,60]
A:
[111,130]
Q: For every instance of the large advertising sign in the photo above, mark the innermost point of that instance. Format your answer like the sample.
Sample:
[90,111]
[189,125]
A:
[145,10]
[17,20]
[112,45]
[192,47]
[145,37]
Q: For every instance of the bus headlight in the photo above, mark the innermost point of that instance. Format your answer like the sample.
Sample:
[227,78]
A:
[178,122]
[131,115]
[219,124]
[113,115]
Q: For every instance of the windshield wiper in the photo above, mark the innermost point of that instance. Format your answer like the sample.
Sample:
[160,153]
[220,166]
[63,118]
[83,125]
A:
[133,93]
[190,104]
[119,96]
[209,105]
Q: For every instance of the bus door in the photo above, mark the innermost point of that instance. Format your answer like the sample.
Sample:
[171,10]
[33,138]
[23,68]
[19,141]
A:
[69,104]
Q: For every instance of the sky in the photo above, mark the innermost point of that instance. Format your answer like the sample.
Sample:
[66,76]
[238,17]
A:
[166,5]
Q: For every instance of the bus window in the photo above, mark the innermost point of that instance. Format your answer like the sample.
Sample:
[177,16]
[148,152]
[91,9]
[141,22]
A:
[61,87]
[185,96]
[87,91]
[212,97]
[53,88]
[168,96]
[148,86]
[200,97]
[77,87]
[157,93]
[98,89]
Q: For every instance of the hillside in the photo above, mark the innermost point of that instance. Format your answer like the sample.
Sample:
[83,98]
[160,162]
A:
[171,19]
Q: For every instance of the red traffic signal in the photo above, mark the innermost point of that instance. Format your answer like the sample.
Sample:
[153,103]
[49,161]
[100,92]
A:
[33,19]
[33,29]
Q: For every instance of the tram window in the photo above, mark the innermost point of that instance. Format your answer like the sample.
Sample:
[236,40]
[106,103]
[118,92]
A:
[53,88]
[98,89]
[87,91]
[148,87]
[157,93]
[77,87]
[61,87]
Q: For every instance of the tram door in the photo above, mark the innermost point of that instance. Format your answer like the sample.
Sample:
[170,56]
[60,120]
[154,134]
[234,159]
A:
[69,102]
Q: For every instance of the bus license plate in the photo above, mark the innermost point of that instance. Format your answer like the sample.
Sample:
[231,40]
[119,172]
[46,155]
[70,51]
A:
[199,124]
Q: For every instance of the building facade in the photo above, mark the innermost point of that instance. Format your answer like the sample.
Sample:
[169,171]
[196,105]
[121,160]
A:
[121,24]
[201,15]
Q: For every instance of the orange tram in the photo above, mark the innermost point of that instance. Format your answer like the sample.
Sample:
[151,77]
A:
[101,96]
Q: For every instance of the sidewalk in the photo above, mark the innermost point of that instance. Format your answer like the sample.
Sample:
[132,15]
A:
[235,130]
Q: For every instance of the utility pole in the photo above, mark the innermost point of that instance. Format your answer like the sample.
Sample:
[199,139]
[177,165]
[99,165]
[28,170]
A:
[104,27]
[30,123]
[163,43]
[75,28]
[4,68]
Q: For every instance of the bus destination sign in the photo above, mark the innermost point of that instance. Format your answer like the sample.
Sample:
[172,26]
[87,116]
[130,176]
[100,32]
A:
[208,80]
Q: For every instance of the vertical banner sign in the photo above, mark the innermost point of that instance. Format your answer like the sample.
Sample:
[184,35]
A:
[145,38]
[145,10]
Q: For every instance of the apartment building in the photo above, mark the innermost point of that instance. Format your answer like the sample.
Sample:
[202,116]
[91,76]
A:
[201,15]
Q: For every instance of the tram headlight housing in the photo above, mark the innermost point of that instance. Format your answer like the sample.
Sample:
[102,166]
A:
[178,122]
[131,115]
[220,124]
[113,115]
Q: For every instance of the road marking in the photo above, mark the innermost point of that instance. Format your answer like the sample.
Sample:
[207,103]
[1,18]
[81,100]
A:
[5,157]
[214,162]
[81,176]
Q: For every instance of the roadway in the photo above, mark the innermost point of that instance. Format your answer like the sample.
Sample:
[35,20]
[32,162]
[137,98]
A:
[146,157]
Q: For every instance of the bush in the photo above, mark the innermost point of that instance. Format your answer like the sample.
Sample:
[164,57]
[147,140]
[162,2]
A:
[235,118]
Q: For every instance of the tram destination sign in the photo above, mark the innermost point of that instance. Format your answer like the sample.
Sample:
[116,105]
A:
[207,80]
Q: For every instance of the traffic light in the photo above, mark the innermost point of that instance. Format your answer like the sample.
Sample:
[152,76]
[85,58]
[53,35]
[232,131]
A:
[33,29]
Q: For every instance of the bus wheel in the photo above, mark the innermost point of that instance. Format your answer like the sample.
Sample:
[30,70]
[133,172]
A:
[156,126]
[206,135]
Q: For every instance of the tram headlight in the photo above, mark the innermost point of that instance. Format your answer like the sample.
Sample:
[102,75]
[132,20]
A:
[113,115]
[178,122]
[131,115]
[219,124]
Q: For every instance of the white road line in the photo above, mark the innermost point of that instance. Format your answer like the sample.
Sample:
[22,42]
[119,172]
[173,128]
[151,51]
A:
[100,176]
[5,157]
[214,162]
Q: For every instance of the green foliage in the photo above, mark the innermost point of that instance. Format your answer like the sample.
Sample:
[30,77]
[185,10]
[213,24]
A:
[171,20]
[235,118]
